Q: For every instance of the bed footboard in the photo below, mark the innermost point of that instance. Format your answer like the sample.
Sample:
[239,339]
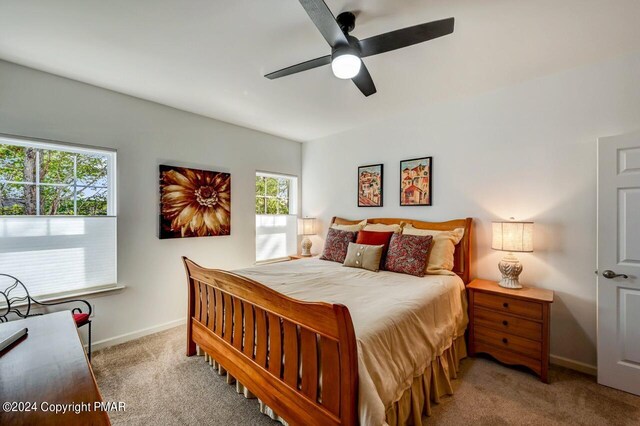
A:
[300,358]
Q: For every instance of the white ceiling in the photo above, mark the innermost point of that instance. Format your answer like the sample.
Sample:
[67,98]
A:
[209,56]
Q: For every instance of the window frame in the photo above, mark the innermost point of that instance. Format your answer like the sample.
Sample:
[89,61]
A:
[50,145]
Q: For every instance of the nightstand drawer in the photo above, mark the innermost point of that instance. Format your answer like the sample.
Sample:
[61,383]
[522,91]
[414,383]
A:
[509,357]
[510,305]
[508,324]
[509,342]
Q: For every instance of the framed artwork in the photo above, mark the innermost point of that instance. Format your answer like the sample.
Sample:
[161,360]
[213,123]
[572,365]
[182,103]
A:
[415,182]
[194,203]
[370,185]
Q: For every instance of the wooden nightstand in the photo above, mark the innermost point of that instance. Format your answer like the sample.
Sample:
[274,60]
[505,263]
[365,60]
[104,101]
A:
[298,257]
[510,325]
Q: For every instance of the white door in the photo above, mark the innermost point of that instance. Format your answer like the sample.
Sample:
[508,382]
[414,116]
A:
[619,262]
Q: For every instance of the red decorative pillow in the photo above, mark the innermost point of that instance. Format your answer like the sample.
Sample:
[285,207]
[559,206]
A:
[408,254]
[374,238]
[337,244]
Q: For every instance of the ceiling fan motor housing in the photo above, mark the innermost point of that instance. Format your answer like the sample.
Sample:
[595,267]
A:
[346,21]
[353,48]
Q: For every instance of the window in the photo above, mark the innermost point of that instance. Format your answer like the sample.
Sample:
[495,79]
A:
[57,216]
[272,194]
[276,216]
[39,181]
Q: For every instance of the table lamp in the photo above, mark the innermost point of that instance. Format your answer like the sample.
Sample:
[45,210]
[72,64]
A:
[511,237]
[306,227]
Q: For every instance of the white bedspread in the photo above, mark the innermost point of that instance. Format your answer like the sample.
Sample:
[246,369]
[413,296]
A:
[401,322]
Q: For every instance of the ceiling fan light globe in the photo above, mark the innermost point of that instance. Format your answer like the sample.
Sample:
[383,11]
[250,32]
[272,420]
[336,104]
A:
[346,66]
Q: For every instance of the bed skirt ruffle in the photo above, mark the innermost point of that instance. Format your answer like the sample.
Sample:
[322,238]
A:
[413,404]
[429,387]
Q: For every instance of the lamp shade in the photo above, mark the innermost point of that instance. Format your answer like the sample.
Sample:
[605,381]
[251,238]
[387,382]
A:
[307,226]
[512,236]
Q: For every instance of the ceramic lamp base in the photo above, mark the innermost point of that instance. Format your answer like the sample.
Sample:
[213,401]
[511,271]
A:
[510,267]
[306,247]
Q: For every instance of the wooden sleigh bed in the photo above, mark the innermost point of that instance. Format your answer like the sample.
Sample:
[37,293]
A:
[299,358]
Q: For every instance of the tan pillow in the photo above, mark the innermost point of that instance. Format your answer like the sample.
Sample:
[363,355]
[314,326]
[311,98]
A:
[381,227]
[363,256]
[441,256]
[352,228]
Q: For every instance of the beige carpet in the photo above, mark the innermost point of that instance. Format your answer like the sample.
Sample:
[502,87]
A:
[160,385]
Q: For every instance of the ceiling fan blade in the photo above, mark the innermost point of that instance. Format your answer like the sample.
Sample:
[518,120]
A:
[405,37]
[364,81]
[325,21]
[304,66]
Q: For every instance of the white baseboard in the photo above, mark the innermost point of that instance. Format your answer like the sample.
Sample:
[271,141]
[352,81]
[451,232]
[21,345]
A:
[105,343]
[574,365]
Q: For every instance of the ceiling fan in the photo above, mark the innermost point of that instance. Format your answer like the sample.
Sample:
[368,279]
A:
[347,51]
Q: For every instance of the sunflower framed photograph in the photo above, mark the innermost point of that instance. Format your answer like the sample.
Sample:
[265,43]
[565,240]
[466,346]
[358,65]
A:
[194,203]
[415,182]
[370,185]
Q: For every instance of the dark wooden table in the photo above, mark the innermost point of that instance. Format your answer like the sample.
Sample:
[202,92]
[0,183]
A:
[47,367]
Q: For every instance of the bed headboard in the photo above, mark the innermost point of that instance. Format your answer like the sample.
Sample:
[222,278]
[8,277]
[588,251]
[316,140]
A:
[462,265]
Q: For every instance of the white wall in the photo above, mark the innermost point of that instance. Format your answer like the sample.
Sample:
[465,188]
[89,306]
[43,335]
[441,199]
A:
[527,151]
[146,134]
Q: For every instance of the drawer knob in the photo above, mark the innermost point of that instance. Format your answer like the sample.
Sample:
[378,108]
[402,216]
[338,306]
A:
[505,340]
[505,304]
[505,323]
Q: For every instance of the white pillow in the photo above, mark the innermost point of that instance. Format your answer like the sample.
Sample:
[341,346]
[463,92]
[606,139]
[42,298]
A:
[381,227]
[352,228]
[441,259]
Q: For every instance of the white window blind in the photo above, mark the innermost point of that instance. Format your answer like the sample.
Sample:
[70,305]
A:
[276,219]
[57,223]
[57,255]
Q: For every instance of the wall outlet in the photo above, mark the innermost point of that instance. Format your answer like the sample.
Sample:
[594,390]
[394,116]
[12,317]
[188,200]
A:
[93,310]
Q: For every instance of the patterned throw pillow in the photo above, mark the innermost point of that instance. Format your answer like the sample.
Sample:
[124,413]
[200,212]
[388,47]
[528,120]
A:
[337,244]
[408,254]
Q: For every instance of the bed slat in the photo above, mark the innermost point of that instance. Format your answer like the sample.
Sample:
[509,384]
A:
[228,318]
[261,344]
[329,355]
[309,343]
[275,345]
[290,354]
[249,330]
[237,323]
[219,313]
[198,300]
[211,306]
